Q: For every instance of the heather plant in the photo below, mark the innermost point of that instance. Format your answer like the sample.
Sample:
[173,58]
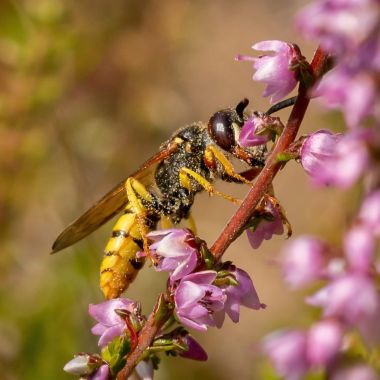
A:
[343,340]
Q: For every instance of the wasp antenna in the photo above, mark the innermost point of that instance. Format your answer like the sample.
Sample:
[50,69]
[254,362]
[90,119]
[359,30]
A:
[241,107]
[281,105]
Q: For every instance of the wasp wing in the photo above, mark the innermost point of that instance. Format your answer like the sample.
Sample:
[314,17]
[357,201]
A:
[110,204]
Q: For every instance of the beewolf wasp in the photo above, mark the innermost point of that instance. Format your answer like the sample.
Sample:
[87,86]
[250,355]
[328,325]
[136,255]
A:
[163,188]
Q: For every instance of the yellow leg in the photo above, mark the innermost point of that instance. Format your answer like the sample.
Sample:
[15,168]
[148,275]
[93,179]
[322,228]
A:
[134,188]
[212,153]
[184,176]
[166,222]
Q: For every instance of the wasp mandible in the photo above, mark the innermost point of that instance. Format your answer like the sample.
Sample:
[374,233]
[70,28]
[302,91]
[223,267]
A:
[164,188]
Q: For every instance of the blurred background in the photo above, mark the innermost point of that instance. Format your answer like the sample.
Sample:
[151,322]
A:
[88,91]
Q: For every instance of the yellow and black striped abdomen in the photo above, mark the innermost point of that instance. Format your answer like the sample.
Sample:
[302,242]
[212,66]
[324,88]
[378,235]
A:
[120,265]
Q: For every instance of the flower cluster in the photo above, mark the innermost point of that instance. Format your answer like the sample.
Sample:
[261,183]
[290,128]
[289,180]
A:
[349,30]
[203,297]
[350,299]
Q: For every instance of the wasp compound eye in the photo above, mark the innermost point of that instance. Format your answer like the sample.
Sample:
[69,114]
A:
[221,130]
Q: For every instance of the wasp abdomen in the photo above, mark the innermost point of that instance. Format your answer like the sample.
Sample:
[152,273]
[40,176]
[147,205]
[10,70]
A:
[120,265]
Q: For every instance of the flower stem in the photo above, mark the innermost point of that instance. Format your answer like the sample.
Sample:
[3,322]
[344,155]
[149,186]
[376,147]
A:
[243,214]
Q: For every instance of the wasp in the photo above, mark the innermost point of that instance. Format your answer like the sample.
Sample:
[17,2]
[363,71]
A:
[163,189]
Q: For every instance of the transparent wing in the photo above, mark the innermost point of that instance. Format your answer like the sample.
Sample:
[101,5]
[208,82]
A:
[110,204]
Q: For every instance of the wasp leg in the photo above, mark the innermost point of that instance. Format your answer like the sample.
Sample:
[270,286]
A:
[136,190]
[213,153]
[274,201]
[184,176]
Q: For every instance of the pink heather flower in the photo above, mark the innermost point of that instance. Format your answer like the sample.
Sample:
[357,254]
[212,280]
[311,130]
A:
[265,226]
[88,366]
[302,261]
[335,159]
[359,246]
[275,70]
[175,250]
[195,350]
[287,351]
[101,374]
[250,133]
[351,297]
[370,212]
[196,300]
[324,341]
[243,294]
[110,323]
[355,372]
[340,26]
[352,91]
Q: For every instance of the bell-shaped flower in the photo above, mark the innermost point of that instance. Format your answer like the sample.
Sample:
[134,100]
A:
[175,251]
[287,351]
[101,374]
[239,292]
[267,223]
[324,341]
[302,261]
[195,351]
[369,213]
[352,91]
[278,70]
[91,367]
[196,300]
[253,132]
[340,26]
[335,159]
[351,297]
[359,247]
[110,323]
[259,129]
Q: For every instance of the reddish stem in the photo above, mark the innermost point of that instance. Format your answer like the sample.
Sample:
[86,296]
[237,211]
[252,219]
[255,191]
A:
[240,219]
[243,214]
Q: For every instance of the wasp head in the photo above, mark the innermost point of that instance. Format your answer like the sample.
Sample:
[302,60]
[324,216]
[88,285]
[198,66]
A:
[224,129]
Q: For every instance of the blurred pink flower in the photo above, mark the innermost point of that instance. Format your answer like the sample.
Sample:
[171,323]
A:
[369,213]
[359,247]
[287,351]
[302,261]
[340,298]
[354,92]
[324,341]
[340,26]
[335,159]
[276,70]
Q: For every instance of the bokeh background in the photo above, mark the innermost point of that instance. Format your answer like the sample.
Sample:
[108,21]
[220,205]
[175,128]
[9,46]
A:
[89,90]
